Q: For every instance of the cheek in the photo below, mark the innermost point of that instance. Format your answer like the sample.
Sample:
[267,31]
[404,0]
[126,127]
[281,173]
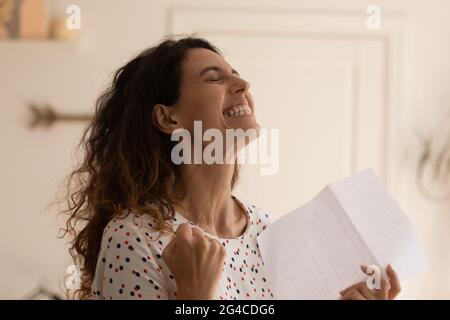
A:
[205,107]
[208,106]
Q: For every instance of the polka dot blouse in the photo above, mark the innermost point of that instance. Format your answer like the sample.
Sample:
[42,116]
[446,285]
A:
[130,265]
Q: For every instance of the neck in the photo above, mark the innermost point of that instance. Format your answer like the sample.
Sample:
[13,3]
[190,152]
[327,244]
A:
[207,201]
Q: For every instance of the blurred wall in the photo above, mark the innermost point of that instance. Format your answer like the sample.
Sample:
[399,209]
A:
[71,75]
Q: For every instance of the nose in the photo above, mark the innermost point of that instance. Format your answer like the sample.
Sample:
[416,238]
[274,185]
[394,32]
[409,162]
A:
[239,86]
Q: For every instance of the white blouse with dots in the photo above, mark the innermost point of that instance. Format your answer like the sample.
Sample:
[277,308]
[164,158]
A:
[130,266]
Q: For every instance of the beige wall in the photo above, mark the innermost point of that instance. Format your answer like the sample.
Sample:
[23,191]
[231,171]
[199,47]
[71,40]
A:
[70,76]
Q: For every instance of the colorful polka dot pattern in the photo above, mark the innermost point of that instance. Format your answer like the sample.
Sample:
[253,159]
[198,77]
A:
[130,265]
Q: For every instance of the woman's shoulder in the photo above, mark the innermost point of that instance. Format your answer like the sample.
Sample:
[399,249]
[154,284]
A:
[131,257]
[140,229]
[137,223]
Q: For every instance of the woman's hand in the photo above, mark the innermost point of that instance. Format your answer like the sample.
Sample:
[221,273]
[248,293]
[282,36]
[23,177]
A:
[389,288]
[196,261]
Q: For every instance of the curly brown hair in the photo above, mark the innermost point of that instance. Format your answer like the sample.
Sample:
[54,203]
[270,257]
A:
[126,165]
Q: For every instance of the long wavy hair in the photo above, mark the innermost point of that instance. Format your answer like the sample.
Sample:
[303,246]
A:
[126,165]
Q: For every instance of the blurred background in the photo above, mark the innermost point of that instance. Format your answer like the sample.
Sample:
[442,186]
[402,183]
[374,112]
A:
[350,84]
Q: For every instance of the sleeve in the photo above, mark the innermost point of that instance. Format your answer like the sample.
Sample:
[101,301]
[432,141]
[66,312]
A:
[131,270]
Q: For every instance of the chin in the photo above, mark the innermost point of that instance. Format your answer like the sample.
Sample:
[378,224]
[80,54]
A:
[246,129]
[244,123]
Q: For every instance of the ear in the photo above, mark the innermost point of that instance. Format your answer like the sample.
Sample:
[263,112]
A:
[164,118]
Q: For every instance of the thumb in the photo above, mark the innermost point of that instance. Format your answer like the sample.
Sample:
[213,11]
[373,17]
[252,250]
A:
[170,247]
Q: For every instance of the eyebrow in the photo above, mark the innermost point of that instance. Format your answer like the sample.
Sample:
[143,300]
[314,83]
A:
[216,68]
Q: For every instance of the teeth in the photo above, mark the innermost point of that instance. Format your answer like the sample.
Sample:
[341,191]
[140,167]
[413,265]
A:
[239,110]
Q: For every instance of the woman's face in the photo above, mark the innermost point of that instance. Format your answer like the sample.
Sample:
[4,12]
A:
[212,91]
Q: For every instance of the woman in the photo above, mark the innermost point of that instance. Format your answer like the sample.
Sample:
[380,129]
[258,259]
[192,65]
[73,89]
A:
[154,229]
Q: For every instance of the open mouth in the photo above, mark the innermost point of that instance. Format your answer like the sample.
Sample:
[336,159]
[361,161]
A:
[238,110]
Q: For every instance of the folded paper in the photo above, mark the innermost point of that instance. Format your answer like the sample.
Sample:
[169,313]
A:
[316,250]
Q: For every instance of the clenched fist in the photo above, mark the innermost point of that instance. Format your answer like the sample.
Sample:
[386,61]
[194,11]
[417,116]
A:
[196,261]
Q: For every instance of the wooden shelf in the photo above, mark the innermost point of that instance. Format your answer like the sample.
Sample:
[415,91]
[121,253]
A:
[38,44]
[34,41]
